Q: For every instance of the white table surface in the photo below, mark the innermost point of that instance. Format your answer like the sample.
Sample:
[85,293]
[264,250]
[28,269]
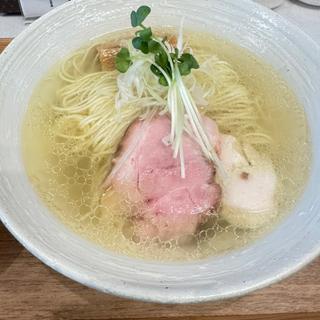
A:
[306,17]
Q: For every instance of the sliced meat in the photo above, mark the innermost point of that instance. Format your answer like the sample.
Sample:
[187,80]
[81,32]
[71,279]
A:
[249,192]
[107,56]
[171,206]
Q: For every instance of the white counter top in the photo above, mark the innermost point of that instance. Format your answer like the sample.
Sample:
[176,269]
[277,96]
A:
[306,17]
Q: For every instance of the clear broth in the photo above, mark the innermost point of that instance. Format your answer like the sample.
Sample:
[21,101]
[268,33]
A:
[67,181]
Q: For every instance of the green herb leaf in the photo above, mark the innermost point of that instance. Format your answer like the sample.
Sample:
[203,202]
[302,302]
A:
[184,69]
[190,60]
[144,42]
[123,66]
[137,42]
[186,63]
[134,19]
[161,59]
[173,56]
[123,61]
[146,34]
[140,44]
[163,81]
[142,13]
[137,17]
[144,47]
[155,70]
[123,53]
[154,46]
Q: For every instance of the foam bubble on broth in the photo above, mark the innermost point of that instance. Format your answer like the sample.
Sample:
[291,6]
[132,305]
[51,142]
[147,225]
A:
[68,177]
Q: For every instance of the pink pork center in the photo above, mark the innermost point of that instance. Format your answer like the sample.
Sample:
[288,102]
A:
[150,178]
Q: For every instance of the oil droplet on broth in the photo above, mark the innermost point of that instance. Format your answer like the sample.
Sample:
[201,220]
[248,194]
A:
[84,163]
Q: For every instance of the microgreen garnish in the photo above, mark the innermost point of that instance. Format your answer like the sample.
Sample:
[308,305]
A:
[145,42]
[137,17]
[186,63]
[168,63]
[123,60]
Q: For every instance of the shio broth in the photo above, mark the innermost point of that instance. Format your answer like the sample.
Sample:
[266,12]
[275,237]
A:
[68,174]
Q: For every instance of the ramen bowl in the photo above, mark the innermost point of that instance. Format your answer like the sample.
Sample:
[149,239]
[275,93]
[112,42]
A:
[291,245]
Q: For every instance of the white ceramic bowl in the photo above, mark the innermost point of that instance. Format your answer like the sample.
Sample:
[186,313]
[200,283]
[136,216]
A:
[294,242]
[311,2]
[270,3]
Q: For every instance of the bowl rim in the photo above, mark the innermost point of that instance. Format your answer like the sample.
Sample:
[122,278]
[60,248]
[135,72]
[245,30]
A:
[136,294]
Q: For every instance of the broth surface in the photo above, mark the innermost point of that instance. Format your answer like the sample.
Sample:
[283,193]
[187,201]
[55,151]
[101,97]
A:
[69,181]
